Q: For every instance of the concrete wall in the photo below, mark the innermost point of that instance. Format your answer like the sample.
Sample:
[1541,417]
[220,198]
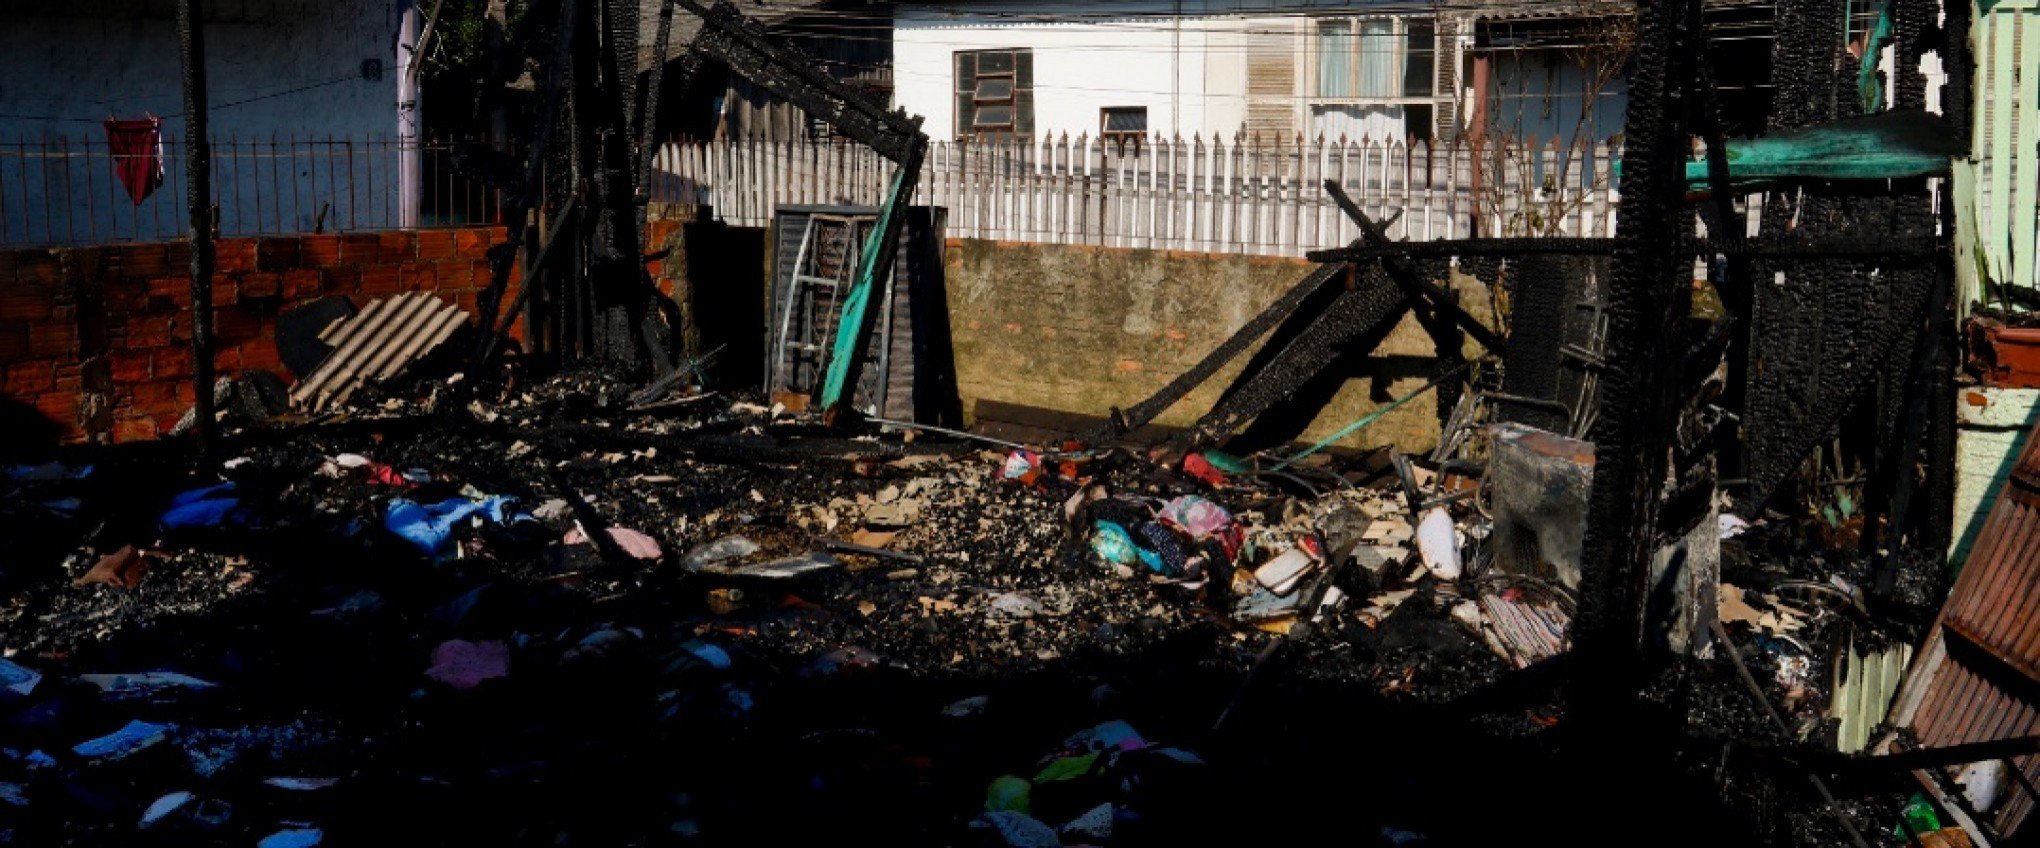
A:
[1992,426]
[96,341]
[1083,329]
[279,69]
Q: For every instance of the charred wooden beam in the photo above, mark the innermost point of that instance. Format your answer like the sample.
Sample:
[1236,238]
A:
[1375,301]
[1756,693]
[618,293]
[503,257]
[1120,423]
[1648,307]
[528,282]
[730,37]
[648,113]
[198,195]
[1375,235]
[750,52]
[1833,762]
[1863,309]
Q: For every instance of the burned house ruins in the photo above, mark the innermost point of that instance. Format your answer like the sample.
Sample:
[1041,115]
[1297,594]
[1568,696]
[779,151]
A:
[1681,486]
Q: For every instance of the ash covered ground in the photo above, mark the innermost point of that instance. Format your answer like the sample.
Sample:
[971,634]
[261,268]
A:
[343,685]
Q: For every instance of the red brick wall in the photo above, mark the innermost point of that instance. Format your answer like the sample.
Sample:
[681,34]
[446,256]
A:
[657,231]
[98,338]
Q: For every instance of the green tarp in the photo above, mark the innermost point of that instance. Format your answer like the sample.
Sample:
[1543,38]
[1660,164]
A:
[1884,146]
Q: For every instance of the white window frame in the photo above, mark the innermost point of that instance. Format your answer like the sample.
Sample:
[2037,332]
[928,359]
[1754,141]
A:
[1400,35]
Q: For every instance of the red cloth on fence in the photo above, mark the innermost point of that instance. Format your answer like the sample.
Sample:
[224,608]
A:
[137,147]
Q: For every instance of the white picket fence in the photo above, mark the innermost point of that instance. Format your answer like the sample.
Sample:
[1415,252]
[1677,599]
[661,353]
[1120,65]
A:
[1195,195]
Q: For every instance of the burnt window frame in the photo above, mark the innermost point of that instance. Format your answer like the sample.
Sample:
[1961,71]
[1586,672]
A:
[968,76]
[1106,133]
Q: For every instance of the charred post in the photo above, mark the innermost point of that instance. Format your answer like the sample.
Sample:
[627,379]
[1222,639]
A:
[198,199]
[1647,312]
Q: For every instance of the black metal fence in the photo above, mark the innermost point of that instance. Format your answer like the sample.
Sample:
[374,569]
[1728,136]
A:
[63,191]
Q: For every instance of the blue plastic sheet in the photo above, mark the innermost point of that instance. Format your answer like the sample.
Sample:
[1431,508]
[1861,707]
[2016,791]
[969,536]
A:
[429,527]
[207,507]
[1112,543]
[217,490]
[714,655]
[48,472]
[132,737]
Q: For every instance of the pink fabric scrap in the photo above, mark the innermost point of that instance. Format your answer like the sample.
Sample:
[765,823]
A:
[631,541]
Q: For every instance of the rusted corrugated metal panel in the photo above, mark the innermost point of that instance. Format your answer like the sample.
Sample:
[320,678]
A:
[1978,678]
[374,344]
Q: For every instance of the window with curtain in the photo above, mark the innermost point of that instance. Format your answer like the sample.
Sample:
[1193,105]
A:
[1379,72]
[1335,50]
[1373,76]
[1375,58]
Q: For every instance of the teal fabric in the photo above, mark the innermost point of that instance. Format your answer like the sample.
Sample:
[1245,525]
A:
[850,330]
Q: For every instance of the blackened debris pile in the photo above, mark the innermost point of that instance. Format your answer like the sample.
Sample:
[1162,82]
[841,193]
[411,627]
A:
[549,618]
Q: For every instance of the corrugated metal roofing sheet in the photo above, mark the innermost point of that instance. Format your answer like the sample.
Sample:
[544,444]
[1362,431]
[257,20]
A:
[1978,678]
[1865,681]
[375,344]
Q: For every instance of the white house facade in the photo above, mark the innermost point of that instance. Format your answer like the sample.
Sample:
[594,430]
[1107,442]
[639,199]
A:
[1277,68]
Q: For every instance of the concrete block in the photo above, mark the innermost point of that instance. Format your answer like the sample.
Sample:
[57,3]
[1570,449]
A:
[1683,588]
[1540,483]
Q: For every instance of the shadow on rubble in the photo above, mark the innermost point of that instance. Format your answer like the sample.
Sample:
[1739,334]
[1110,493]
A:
[777,753]
[1363,736]
[31,435]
